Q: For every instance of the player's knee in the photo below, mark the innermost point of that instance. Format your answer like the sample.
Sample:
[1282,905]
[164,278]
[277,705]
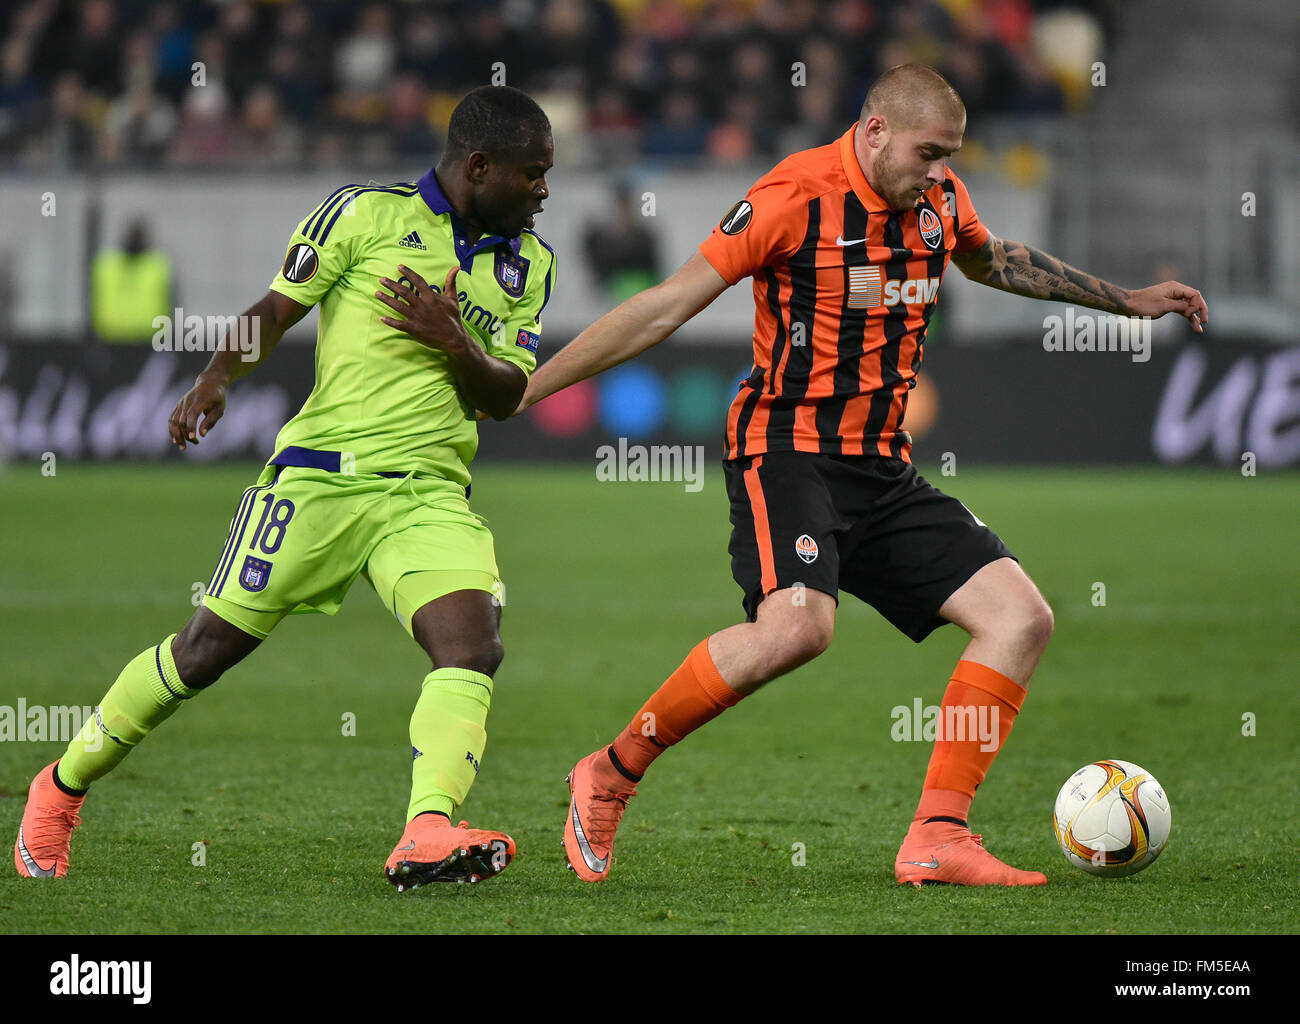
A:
[489,655]
[794,632]
[1033,625]
[815,636]
[188,660]
[1045,622]
[481,654]
[803,639]
[206,648]
[199,663]
[199,660]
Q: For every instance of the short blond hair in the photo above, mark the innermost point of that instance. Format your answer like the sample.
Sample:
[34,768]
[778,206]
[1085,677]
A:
[908,94]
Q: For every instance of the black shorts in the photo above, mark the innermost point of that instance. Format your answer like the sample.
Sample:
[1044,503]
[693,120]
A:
[864,524]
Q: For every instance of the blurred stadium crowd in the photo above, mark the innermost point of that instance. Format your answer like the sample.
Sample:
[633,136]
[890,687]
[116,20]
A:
[238,84]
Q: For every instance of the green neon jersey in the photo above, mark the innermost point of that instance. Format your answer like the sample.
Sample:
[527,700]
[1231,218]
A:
[380,396]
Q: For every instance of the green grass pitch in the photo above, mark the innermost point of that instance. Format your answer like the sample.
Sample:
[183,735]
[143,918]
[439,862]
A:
[609,585]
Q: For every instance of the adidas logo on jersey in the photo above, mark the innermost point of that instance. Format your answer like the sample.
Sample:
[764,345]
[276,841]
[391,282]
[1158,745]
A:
[412,241]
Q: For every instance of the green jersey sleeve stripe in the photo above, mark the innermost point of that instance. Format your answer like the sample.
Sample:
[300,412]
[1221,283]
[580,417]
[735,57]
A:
[321,209]
[338,201]
[319,214]
[324,235]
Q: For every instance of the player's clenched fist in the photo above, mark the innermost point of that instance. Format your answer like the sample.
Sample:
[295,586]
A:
[207,399]
[431,317]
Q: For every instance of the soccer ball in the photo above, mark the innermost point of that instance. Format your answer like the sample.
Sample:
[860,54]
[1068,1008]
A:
[1111,818]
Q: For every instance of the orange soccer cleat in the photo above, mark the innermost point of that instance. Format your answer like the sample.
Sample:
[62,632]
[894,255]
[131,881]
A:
[430,850]
[45,835]
[943,851]
[599,793]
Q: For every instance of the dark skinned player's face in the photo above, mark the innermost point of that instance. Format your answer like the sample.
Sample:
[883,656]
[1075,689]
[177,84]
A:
[508,190]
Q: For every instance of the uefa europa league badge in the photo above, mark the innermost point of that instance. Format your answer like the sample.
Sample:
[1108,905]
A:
[511,272]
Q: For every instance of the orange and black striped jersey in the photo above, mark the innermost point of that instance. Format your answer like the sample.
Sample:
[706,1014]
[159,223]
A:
[844,288]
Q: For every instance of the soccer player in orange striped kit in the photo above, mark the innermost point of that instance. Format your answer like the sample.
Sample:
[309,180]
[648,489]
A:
[846,244]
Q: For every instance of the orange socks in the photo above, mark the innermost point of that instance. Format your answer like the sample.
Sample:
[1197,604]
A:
[692,695]
[979,708]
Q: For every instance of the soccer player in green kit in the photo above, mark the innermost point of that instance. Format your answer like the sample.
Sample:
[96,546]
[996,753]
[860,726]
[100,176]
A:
[431,294]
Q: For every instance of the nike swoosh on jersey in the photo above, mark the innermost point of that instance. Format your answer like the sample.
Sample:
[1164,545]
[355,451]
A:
[852,241]
[933,862]
[36,870]
[588,854]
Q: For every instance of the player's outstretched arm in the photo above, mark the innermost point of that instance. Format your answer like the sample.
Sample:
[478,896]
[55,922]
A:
[271,316]
[629,329]
[1023,270]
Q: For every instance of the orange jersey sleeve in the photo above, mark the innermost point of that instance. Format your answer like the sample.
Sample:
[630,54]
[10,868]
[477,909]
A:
[971,232]
[762,230]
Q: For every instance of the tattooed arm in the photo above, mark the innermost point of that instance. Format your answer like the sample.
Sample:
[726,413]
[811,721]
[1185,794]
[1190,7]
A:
[1023,270]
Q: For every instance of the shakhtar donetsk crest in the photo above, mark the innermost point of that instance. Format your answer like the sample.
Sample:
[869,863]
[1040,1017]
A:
[511,272]
[931,227]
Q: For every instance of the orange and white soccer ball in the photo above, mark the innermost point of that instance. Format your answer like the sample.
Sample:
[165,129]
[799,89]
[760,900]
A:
[1111,818]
